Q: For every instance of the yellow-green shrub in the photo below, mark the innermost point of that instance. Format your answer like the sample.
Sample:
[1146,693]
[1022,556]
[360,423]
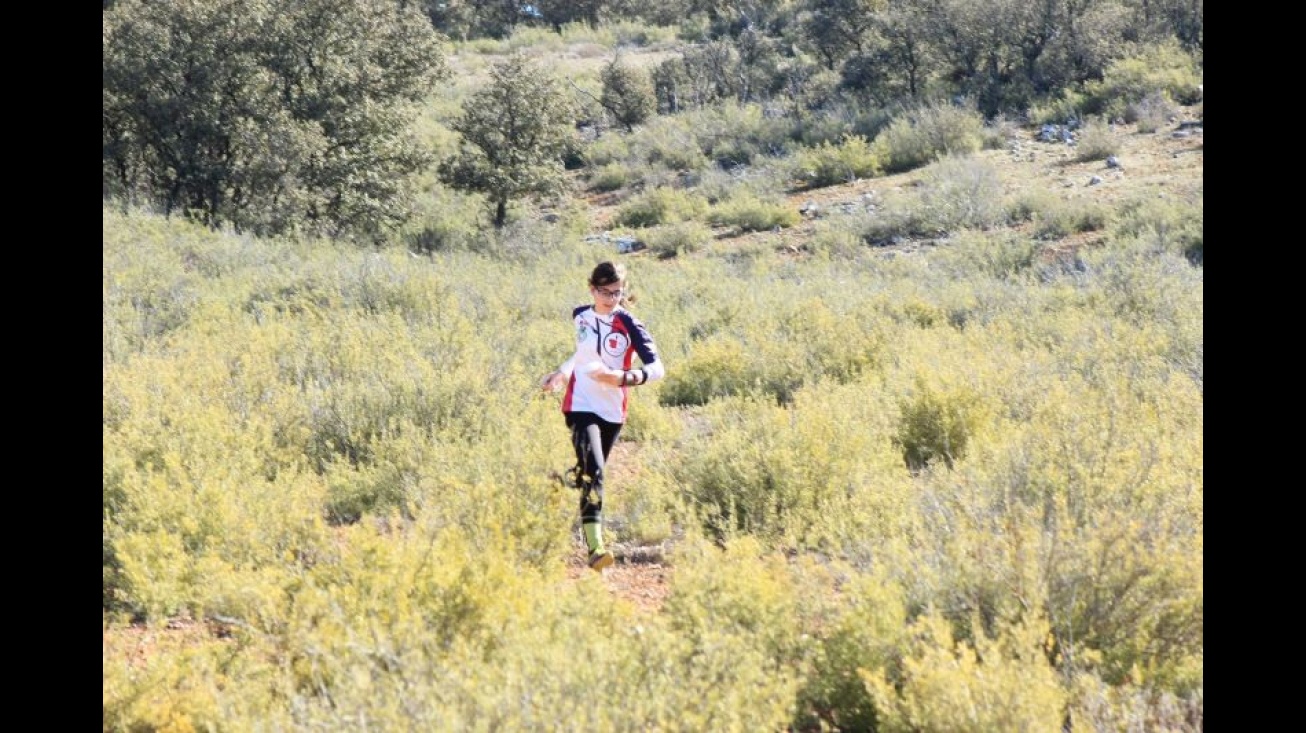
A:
[735,134]
[859,623]
[818,473]
[677,238]
[743,592]
[750,213]
[1097,706]
[937,423]
[1167,224]
[1159,68]
[715,368]
[928,133]
[1056,218]
[610,177]
[669,142]
[829,164]
[995,685]
[659,206]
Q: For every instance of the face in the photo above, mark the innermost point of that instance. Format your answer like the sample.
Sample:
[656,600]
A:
[607,297]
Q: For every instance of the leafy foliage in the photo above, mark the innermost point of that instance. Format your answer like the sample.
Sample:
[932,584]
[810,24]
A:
[514,134]
[994,685]
[928,133]
[660,205]
[1163,69]
[828,164]
[627,94]
[271,120]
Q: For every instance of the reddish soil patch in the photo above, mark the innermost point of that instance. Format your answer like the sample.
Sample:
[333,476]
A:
[646,585]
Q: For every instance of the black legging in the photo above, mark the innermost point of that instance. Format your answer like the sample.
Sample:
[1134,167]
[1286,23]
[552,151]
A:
[589,469]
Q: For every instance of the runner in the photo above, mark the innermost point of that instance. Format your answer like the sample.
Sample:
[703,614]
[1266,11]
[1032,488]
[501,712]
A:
[598,378]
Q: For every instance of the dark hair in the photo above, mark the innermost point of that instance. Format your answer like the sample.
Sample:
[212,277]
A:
[608,272]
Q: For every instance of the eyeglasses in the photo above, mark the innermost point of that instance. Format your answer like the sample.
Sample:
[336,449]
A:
[610,293]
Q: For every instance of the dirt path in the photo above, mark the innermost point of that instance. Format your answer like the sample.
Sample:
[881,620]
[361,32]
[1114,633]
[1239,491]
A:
[644,584]
[641,574]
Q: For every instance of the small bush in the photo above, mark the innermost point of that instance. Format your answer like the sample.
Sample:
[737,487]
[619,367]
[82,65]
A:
[679,238]
[898,216]
[367,490]
[837,121]
[1152,112]
[607,149]
[864,636]
[751,213]
[1096,706]
[997,685]
[828,164]
[1167,225]
[733,135]
[716,368]
[1059,110]
[739,590]
[614,32]
[669,142]
[1000,132]
[716,185]
[660,205]
[936,424]
[835,239]
[1056,218]
[1069,217]
[611,177]
[1096,141]
[961,192]
[929,133]
[1001,256]
[1030,205]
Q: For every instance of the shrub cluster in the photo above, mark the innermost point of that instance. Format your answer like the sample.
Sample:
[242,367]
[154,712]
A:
[959,489]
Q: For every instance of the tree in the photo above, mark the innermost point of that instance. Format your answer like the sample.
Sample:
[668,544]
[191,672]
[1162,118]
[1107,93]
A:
[627,93]
[270,117]
[558,13]
[515,132]
[464,19]
[837,29]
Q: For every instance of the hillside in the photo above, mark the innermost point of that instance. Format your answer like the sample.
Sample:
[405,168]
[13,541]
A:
[1167,162]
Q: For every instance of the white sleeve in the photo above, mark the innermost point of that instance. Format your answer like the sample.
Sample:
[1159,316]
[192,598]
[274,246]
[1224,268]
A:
[567,367]
[655,371]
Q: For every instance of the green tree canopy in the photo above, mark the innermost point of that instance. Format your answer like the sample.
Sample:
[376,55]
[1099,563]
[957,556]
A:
[271,117]
[627,93]
[515,132]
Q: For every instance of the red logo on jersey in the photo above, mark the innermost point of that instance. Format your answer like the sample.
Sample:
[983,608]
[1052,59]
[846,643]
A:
[616,344]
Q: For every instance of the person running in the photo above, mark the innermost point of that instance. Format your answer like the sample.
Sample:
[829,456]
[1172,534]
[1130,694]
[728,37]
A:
[598,378]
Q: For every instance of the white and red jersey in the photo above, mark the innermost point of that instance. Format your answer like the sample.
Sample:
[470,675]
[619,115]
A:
[611,342]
